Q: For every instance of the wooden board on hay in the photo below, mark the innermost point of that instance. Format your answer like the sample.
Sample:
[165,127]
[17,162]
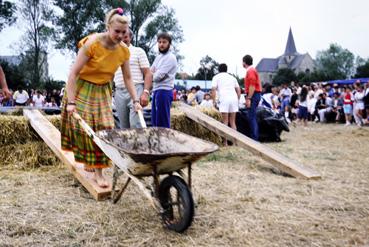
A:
[283,163]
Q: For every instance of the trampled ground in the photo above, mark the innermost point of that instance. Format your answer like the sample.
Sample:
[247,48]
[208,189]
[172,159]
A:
[241,201]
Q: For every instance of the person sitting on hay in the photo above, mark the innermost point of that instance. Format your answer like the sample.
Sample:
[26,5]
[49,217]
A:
[89,92]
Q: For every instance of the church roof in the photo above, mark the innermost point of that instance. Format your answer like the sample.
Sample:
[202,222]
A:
[267,65]
[290,46]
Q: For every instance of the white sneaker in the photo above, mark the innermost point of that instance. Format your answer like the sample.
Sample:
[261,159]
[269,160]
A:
[347,124]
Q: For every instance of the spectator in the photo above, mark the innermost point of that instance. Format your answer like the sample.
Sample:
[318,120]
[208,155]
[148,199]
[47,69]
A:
[207,102]
[324,106]
[267,97]
[226,87]
[366,102]
[348,100]
[38,100]
[21,97]
[359,104]
[285,96]
[311,103]
[164,70]
[191,97]
[338,106]
[303,106]
[56,95]
[142,79]
[253,90]
[52,103]
[199,94]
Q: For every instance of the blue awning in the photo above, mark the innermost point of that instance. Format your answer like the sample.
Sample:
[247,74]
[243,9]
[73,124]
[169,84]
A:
[348,81]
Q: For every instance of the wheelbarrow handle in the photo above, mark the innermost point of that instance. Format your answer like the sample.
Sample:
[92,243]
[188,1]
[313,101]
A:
[84,125]
[141,117]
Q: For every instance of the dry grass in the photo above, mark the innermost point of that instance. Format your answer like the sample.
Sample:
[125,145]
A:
[240,201]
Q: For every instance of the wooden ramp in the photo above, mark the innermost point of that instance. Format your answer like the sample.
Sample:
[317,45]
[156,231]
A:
[51,135]
[284,164]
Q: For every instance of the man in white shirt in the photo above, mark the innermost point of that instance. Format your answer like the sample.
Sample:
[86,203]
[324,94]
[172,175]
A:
[228,90]
[142,78]
[21,97]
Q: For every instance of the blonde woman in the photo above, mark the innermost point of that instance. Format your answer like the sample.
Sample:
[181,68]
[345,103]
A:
[89,91]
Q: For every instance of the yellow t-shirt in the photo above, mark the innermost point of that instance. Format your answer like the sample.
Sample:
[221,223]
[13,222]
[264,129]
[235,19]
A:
[103,62]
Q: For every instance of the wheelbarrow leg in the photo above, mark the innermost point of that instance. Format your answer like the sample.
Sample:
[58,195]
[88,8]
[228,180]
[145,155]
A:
[120,193]
[189,175]
[116,174]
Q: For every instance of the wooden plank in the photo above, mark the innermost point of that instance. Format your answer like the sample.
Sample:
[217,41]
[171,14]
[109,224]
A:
[283,163]
[51,135]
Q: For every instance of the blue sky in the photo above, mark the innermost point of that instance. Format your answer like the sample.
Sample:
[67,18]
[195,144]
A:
[226,30]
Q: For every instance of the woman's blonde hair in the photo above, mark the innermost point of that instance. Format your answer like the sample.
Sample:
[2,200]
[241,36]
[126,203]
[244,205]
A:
[115,15]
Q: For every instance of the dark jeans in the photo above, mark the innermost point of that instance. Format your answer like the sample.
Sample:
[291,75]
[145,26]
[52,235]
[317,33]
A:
[254,128]
[160,110]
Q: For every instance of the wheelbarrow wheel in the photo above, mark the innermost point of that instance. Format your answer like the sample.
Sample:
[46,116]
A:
[177,202]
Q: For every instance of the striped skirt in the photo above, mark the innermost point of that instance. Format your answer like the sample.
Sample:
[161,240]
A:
[94,105]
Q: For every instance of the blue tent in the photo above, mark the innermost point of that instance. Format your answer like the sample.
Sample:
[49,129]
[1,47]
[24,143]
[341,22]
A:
[349,81]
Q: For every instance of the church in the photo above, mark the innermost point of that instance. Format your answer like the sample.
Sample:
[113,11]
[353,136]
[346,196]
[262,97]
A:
[291,59]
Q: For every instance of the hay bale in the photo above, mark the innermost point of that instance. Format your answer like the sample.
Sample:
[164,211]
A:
[180,122]
[23,148]
[25,156]
[17,130]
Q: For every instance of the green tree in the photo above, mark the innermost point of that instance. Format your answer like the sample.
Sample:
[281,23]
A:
[284,76]
[309,77]
[148,18]
[7,10]
[363,70]
[336,62]
[208,68]
[35,42]
[14,75]
[74,20]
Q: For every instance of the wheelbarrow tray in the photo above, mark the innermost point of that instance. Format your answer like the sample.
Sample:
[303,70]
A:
[163,149]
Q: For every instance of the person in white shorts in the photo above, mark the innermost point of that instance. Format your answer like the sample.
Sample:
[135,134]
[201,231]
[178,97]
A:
[226,87]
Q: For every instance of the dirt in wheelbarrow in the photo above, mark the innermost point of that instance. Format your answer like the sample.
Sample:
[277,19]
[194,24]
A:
[240,201]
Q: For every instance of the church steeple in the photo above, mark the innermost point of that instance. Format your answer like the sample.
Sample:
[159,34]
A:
[290,46]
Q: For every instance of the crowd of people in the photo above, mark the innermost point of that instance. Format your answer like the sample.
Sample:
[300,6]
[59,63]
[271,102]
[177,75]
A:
[31,98]
[318,102]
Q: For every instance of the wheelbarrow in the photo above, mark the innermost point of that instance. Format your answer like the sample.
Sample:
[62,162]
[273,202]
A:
[158,152]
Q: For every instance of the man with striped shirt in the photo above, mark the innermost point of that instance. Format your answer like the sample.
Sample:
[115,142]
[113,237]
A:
[142,79]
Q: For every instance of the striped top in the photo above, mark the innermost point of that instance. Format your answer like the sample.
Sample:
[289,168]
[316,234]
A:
[137,61]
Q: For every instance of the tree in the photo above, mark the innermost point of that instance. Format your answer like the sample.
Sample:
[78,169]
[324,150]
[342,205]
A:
[148,18]
[76,21]
[36,15]
[7,10]
[208,68]
[309,77]
[363,70]
[14,75]
[336,62]
[284,75]
[164,22]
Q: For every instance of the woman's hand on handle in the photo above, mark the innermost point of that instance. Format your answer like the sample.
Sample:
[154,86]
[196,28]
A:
[71,108]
